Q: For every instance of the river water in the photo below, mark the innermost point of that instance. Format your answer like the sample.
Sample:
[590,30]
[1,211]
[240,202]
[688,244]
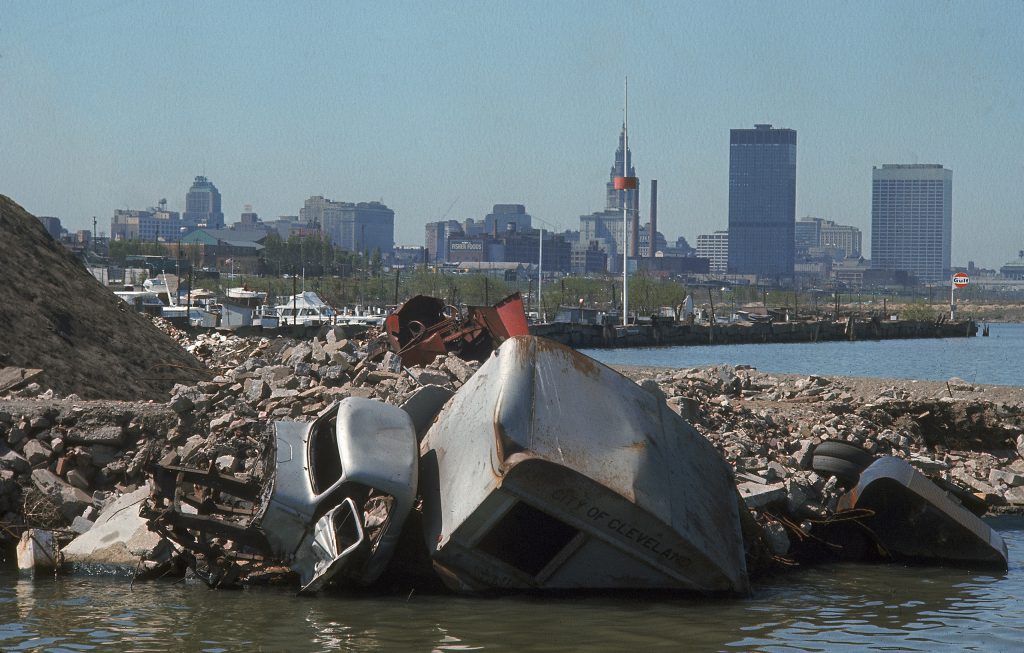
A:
[846,607]
[997,359]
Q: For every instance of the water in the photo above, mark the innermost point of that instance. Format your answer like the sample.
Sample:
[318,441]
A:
[994,360]
[848,607]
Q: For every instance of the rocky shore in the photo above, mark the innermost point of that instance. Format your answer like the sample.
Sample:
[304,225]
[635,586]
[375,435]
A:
[63,460]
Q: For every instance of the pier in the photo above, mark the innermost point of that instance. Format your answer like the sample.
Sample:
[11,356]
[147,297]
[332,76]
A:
[660,332]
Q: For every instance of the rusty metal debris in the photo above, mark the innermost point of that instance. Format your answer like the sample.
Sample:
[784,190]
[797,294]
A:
[424,328]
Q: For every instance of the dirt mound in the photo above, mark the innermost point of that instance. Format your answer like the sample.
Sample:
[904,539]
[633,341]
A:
[55,316]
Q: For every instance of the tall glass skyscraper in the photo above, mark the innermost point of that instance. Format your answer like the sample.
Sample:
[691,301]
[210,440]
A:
[202,205]
[762,201]
[912,219]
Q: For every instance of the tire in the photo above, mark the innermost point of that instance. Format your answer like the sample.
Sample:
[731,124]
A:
[846,471]
[845,451]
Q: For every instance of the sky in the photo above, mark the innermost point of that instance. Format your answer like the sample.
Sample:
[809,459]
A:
[441,110]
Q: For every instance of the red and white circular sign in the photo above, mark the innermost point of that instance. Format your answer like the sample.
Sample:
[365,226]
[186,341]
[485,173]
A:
[960,280]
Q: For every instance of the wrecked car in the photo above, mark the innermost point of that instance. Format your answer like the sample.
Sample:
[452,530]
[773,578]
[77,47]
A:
[336,498]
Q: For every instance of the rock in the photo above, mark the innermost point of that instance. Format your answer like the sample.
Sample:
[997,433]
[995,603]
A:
[71,500]
[926,464]
[427,376]
[995,477]
[777,537]
[1014,496]
[81,525]
[105,435]
[16,436]
[757,495]
[78,479]
[459,368]
[181,404]
[36,452]
[801,458]
[117,539]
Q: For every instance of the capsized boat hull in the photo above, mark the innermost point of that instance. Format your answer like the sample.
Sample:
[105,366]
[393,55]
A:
[551,471]
[913,519]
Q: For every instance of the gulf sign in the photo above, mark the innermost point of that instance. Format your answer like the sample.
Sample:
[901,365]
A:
[960,280]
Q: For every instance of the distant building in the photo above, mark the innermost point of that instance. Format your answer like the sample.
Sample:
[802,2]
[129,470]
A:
[150,225]
[497,222]
[437,234]
[644,242]
[355,227]
[1014,269]
[226,249]
[762,201]
[616,199]
[202,206]
[715,248]
[52,226]
[605,227]
[912,220]
[806,235]
[408,256]
[249,219]
[588,259]
[813,235]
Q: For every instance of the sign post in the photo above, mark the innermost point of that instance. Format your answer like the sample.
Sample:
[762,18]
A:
[960,280]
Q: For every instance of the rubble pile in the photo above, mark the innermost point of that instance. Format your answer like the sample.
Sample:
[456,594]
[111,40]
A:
[768,426]
[62,460]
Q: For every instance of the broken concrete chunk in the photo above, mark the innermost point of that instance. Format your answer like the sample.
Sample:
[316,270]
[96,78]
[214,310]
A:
[71,500]
[995,477]
[36,452]
[427,376]
[106,435]
[118,538]
[757,495]
[801,458]
[458,368]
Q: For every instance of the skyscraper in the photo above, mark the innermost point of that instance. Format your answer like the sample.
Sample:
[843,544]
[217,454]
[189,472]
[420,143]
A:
[614,199]
[202,205]
[762,201]
[912,219]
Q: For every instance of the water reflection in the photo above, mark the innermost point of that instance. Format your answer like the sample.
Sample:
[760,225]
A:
[839,608]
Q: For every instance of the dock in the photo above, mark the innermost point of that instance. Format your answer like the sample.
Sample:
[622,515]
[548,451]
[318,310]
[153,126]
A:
[663,332]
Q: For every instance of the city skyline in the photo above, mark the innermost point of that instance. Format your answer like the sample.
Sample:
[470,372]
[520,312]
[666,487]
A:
[114,106]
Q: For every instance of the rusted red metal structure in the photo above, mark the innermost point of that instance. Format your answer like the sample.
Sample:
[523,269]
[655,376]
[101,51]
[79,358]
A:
[424,328]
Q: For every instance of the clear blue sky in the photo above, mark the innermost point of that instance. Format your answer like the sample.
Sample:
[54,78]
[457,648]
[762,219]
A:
[107,105]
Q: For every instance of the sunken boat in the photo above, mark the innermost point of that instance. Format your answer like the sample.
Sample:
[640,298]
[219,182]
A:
[551,471]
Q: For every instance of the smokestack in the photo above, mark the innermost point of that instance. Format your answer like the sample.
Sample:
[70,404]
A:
[634,245]
[652,240]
